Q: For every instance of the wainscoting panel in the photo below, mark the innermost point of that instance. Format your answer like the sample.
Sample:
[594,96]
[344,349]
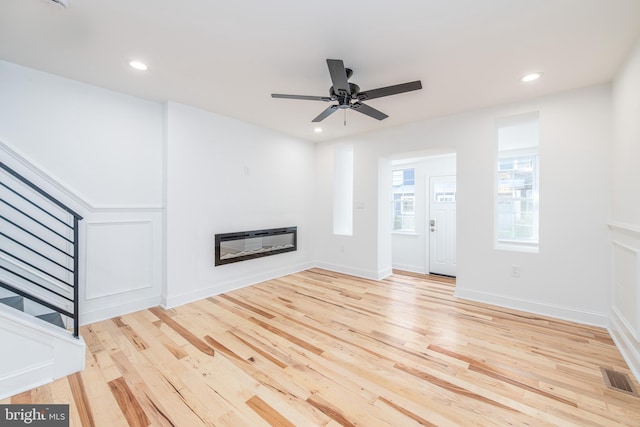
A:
[123,263]
[624,324]
[119,257]
[625,284]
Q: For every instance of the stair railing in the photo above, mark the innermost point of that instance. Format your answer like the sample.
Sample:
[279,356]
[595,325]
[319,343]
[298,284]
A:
[38,245]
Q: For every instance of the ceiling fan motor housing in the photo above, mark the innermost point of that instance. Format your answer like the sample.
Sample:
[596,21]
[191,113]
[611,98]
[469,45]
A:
[344,98]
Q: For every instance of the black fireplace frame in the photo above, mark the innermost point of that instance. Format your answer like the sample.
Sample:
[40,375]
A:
[243,235]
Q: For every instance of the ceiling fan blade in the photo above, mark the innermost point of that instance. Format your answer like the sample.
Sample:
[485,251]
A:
[389,90]
[338,76]
[369,111]
[304,97]
[326,113]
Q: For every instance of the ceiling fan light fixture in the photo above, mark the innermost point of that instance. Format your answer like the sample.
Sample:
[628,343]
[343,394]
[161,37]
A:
[531,77]
[61,3]
[138,65]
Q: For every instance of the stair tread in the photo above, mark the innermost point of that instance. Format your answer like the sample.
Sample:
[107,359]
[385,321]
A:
[16,302]
[53,318]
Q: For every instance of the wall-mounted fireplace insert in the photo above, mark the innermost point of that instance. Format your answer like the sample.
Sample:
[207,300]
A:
[244,245]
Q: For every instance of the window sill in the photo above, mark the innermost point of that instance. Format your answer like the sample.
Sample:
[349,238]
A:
[405,233]
[513,247]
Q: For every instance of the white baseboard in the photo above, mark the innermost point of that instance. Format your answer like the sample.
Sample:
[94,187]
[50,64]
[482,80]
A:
[365,274]
[118,310]
[383,274]
[411,268]
[240,282]
[544,309]
[626,342]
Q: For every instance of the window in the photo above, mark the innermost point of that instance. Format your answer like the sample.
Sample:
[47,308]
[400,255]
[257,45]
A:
[404,200]
[444,192]
[517,183]
[343,190]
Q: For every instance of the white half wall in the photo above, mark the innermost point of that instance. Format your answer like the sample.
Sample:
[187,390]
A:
[33,353]
[625,225]
[569,278]
[223,175]
[624,324]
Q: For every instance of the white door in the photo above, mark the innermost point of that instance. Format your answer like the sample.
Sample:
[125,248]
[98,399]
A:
[442,225]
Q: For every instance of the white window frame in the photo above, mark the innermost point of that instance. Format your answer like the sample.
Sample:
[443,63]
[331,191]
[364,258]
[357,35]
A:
[405,196]
[403,206]
[531,151]
[343,190]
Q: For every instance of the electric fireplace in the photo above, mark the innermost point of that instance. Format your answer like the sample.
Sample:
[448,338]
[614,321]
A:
[245,245]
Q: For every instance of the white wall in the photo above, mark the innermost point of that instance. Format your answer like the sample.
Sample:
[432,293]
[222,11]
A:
[626,147]
[625,224]
[100,152]
[569,277]
[102,145]
[357,254]
[223,175]
[411,250]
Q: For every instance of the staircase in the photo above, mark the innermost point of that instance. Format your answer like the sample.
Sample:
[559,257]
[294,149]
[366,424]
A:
[34,309]
[39,282]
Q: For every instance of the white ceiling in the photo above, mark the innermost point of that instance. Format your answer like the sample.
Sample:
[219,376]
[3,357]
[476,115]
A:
[228,57]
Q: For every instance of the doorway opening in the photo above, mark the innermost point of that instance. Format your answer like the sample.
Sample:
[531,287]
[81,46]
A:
[423,214]
[442,225]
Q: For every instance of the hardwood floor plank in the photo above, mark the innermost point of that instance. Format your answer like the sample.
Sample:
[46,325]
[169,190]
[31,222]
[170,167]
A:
[289,337]
[137,386]
[128,403]
[195,341]
[23,398]
[80,400]
[330,410]
[453,388]
[273,417]
[260,352]
[61,394]
[138,342]
[421,421]
[247,306]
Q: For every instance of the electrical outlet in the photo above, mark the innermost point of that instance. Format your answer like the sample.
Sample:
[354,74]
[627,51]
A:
[515,271]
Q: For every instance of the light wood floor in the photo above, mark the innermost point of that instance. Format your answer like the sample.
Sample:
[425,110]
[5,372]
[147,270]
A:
[321,348]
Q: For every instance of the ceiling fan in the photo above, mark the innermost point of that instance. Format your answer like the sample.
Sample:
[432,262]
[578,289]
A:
[349,95]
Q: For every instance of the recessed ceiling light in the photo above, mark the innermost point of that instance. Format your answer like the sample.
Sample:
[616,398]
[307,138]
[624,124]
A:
[138,65]
[531,77]
[317,130]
